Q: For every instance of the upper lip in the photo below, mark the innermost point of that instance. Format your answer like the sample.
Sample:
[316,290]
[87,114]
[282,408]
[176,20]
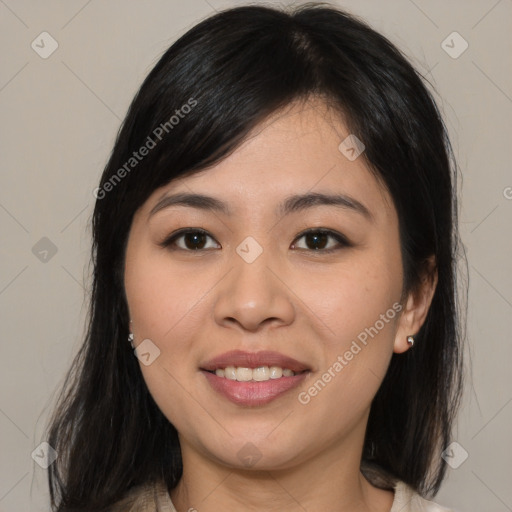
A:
[253,360]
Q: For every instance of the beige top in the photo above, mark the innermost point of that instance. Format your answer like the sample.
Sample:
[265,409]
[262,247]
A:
[157,499]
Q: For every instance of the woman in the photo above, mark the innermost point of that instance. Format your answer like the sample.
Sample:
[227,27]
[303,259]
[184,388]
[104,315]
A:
[273,321]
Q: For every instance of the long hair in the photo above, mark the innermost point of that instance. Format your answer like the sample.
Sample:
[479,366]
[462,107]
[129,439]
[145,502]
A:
[205,94]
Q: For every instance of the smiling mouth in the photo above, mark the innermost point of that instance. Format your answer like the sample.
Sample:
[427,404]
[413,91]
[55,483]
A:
[253,379]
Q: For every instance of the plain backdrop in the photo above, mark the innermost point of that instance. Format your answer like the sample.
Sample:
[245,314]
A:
[59,117]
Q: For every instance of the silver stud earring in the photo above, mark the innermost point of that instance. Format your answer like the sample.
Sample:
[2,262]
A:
[130,337]
[410,340]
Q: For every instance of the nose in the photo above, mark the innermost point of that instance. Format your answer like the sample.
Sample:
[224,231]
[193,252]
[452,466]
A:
[254,294]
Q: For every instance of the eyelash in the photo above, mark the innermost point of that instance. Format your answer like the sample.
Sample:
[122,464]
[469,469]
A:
[341,239]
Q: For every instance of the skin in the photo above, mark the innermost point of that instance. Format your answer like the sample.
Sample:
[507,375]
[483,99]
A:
[302,302]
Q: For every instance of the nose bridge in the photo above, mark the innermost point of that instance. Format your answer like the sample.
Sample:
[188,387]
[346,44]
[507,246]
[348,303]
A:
[252,261]
[251,292]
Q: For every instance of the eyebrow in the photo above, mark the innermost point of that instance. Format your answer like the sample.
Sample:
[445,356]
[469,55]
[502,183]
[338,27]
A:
[291,204]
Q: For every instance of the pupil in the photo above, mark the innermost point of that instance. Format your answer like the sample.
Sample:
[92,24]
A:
[317,237]
[195,237]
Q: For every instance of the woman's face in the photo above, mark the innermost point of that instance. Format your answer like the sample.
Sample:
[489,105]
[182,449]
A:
[252,281]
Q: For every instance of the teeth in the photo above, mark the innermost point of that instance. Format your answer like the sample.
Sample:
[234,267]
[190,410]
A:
[243,374]
[275,372]
[260,374]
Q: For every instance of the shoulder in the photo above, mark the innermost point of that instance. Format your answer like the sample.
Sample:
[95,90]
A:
[148,497]
[154,497]
[408,500]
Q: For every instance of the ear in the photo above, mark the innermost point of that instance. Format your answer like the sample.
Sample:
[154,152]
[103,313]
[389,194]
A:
[416,307]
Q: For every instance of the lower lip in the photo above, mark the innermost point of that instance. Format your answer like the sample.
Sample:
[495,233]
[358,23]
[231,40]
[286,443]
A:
[253,393]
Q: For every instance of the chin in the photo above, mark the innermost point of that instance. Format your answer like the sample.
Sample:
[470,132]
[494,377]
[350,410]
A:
[261,454]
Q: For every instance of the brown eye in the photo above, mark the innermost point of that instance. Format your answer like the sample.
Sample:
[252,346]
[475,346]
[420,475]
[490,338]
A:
[318,240]
[191,240]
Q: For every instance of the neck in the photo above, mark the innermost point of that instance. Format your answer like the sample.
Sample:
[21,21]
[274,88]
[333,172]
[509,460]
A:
[330,480]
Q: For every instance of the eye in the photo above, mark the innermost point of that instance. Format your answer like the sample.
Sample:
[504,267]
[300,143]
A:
[195,240]
[318,239]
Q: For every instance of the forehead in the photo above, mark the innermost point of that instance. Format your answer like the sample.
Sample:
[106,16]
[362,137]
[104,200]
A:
[294,151]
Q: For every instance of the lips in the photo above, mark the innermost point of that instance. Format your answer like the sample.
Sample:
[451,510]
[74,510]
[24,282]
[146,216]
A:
[252,393]
[253,360]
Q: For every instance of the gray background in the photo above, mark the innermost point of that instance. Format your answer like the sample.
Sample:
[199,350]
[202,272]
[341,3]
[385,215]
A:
[59,119]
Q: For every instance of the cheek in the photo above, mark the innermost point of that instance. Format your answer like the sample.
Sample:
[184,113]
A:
[360,308]
[352,296]
[162,298]
[164,306]
[361,315]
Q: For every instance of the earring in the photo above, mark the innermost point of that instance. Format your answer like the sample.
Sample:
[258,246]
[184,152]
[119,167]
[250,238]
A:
[410,340]
[130,337]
